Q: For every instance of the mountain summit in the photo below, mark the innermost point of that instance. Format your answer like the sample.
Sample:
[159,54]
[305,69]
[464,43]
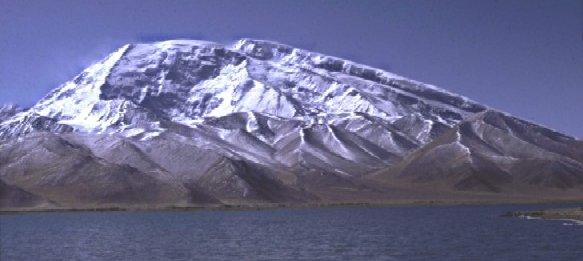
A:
[188,122]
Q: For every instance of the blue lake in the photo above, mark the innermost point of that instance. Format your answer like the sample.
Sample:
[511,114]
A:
[396,233]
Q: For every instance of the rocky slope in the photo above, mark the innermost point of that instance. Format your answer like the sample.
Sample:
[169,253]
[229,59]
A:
[191,122]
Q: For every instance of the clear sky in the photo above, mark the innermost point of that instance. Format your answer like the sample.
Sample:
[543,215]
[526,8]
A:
[524,57]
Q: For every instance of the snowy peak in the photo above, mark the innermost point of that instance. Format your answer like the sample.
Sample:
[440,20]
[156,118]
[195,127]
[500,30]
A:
[263,50]
[186,81]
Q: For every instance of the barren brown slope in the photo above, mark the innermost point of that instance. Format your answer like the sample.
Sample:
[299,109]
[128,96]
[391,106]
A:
[15,197]
[484,153]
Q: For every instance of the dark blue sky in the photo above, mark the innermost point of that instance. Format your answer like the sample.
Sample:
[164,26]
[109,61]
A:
[522,57]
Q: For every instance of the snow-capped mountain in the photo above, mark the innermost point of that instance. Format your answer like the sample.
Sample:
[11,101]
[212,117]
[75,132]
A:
[261,121]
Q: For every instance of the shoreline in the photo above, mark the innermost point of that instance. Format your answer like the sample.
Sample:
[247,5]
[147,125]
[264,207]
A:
[567,214]
[313,205]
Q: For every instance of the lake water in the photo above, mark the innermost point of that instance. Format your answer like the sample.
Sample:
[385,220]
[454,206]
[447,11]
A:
[398,233]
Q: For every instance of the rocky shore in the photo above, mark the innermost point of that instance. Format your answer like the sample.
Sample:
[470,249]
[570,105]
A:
[563,213]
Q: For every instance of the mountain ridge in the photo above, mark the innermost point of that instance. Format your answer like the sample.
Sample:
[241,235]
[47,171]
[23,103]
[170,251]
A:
[260,121]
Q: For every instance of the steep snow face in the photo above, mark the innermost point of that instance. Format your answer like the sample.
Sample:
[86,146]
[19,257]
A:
[79,103]
[186,81]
